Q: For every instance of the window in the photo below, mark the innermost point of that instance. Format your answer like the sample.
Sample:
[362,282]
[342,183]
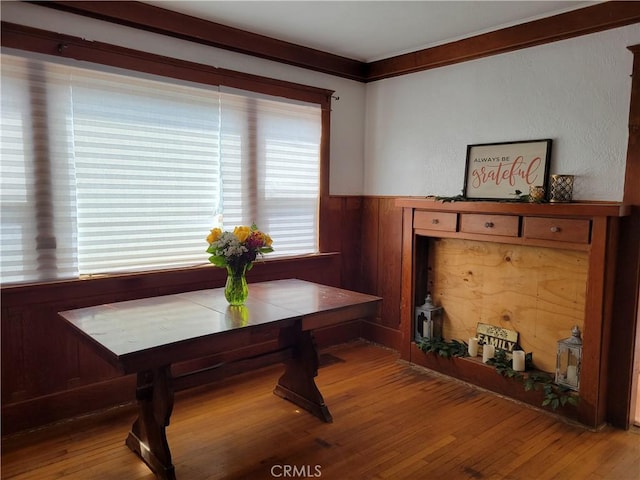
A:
[283,189]
[105,172]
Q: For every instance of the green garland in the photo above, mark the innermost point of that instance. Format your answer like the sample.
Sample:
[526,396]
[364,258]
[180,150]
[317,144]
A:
[554,395]
[450,349]
[518,196]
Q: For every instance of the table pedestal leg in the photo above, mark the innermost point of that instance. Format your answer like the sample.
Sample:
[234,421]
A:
[297,383]
[147,437]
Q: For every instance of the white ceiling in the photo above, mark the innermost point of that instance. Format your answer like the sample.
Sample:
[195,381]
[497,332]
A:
[369,30]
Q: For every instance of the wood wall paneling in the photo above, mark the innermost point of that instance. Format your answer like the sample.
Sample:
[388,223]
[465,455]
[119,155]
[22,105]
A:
[370,245]
[368,232]
[409,285]
[350,233]
[380,260]
[625,336]
[46,374]
[389,251]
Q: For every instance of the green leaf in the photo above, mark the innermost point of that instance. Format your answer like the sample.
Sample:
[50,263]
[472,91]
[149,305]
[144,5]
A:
[554,395]
[218,261]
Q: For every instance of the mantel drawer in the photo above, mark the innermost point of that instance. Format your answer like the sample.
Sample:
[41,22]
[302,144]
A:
[503,225]
[559,229]
[441,221]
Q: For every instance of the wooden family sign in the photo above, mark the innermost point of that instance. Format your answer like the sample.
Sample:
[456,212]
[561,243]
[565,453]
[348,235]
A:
[499,337]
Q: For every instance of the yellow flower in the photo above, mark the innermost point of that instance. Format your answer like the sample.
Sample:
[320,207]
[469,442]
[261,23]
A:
[242,232]
[267,240]
[214,235]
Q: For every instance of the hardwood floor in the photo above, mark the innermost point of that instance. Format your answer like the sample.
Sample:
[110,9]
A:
[391,421]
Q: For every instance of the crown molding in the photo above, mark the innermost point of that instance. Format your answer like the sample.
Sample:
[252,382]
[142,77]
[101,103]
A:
[583,21]
[66,46]
[166,22]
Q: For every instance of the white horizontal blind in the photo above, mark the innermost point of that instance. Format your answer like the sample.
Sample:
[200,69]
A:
[106,172]
[37,193]
[147,164]
[235,162]
[270,154]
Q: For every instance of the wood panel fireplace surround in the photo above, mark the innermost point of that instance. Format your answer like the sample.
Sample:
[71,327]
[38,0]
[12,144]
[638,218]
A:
[538,269]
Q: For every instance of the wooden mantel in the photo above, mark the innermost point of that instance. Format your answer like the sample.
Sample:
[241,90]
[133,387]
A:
[572,209]
[587,227]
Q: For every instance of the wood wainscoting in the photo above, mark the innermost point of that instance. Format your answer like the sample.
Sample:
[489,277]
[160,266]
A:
[47,376]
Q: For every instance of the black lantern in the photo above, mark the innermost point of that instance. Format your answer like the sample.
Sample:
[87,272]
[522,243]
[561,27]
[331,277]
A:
[569,359]
[428,320]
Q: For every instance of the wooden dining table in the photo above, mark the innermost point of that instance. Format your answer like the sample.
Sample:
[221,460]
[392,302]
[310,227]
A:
[149,335]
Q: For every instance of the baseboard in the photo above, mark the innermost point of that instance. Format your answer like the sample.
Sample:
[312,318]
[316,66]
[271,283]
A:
[56,407]
[380,334]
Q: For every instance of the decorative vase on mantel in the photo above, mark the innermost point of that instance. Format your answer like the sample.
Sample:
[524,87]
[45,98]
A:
[236,289]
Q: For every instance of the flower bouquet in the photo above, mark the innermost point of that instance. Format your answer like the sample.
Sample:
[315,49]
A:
[236,251]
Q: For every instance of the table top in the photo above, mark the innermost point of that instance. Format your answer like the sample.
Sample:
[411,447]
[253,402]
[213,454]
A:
[136,334]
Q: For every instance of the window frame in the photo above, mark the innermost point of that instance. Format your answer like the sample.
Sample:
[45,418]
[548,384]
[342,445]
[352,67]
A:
[19,37]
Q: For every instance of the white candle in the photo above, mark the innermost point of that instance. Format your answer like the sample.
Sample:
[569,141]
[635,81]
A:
[488,351]
[426,329]
[473,347]
[572,375]
[518,360]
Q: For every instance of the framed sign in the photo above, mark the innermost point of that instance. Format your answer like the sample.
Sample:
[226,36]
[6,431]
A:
[505,170]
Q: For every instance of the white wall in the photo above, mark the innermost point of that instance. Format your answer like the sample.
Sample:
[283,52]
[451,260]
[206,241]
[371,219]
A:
[347,119]
[575,91]
[408,135]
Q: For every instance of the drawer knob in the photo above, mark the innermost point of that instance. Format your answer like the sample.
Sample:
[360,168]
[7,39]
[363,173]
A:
[435,221]
[555,229]
[488,225]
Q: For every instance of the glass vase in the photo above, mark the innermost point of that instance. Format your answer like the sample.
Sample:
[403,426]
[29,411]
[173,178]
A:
[236,289]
